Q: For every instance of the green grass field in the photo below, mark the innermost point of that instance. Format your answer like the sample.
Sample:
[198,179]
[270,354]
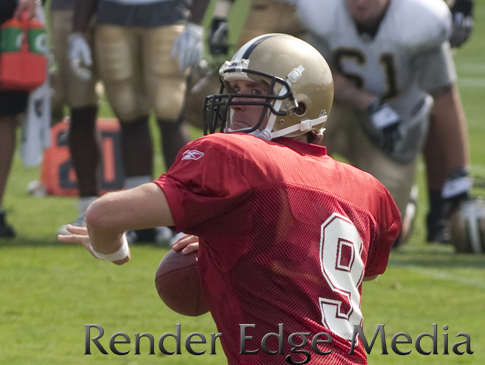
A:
[49,291]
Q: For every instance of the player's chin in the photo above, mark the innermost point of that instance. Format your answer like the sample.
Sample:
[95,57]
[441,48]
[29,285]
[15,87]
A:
[240,125]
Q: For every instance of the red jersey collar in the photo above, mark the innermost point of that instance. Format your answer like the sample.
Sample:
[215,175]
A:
[302,147]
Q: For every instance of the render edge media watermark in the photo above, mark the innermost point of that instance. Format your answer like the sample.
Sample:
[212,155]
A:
[398,341]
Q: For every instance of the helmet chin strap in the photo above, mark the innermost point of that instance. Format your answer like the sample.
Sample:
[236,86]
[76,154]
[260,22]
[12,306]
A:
[304,126]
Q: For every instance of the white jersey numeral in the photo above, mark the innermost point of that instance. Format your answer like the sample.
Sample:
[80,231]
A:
[343,269]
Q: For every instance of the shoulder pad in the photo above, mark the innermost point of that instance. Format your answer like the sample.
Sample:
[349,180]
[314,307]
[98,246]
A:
[318,16]
[422,24]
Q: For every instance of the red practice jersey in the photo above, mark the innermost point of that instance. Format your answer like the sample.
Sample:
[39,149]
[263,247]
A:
[287,235]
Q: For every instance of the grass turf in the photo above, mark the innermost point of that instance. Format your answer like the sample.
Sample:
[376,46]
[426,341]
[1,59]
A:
[49,291]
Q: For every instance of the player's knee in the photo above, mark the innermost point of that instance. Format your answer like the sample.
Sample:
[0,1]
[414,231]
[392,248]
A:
[125,102]
[169,99]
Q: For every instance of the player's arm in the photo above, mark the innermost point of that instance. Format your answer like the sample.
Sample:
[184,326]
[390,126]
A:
[79,51]
[83,12]
[198,10]
[218,38]
[115,213]
[26,5]
[346,92]
[450,126]
[188,46]
[377,115]
[462,15]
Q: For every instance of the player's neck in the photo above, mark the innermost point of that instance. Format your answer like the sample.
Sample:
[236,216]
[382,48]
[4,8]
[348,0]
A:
[369,29]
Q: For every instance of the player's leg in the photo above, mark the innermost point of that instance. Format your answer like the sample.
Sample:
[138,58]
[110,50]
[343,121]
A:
[119,54]
[84,148]
[435,177]
[8,126]
[166,87]
[60,28]
[82,99]
[445,153]
[397,177]
[11,104]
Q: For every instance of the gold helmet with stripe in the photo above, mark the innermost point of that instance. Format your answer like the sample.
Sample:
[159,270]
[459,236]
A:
[300,83]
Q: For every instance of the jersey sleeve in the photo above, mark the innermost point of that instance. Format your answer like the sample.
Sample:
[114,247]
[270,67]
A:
[389,223]
[436,68]
[318,17]
[421,25]
[202,188]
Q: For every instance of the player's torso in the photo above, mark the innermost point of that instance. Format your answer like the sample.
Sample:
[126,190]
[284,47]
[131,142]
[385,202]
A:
[388,63]
[264,265]
[384,64]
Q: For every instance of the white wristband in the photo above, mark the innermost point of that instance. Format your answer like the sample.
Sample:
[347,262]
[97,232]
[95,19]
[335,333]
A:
[119,254]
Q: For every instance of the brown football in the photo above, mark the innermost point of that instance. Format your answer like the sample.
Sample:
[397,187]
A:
[178,285]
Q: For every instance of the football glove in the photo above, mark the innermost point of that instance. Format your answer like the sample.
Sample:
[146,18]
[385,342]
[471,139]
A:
[462,22]
[218,37]
[386,122]
[188,46]
[80,56]
[455,191]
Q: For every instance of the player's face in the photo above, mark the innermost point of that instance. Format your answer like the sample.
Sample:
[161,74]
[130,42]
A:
[367,12]
[245,116]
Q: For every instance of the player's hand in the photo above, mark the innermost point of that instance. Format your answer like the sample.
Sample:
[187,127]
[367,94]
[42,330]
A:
[28,6]
[80,236]
[385,120]
[187,244]
[462,13]
[80,56]
[218,37]
[188,46]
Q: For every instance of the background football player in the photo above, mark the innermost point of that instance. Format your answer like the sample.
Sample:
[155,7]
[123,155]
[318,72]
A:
[12,103]
[388,72]
[444,140]
[78,92]
[143,50]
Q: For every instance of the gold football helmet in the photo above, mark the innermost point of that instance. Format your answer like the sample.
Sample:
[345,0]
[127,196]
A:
[467,226]
[301,88]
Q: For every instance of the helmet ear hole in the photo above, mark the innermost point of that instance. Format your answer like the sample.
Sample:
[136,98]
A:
[301,109]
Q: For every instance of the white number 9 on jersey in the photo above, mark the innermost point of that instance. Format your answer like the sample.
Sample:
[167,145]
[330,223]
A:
[343,269]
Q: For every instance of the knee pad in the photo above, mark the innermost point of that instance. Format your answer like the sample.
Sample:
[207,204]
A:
[169,98]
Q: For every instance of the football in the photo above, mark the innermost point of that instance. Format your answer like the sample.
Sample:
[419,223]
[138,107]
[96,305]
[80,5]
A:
[178,285]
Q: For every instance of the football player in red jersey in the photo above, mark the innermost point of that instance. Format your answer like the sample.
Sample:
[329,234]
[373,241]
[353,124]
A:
[286,235]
